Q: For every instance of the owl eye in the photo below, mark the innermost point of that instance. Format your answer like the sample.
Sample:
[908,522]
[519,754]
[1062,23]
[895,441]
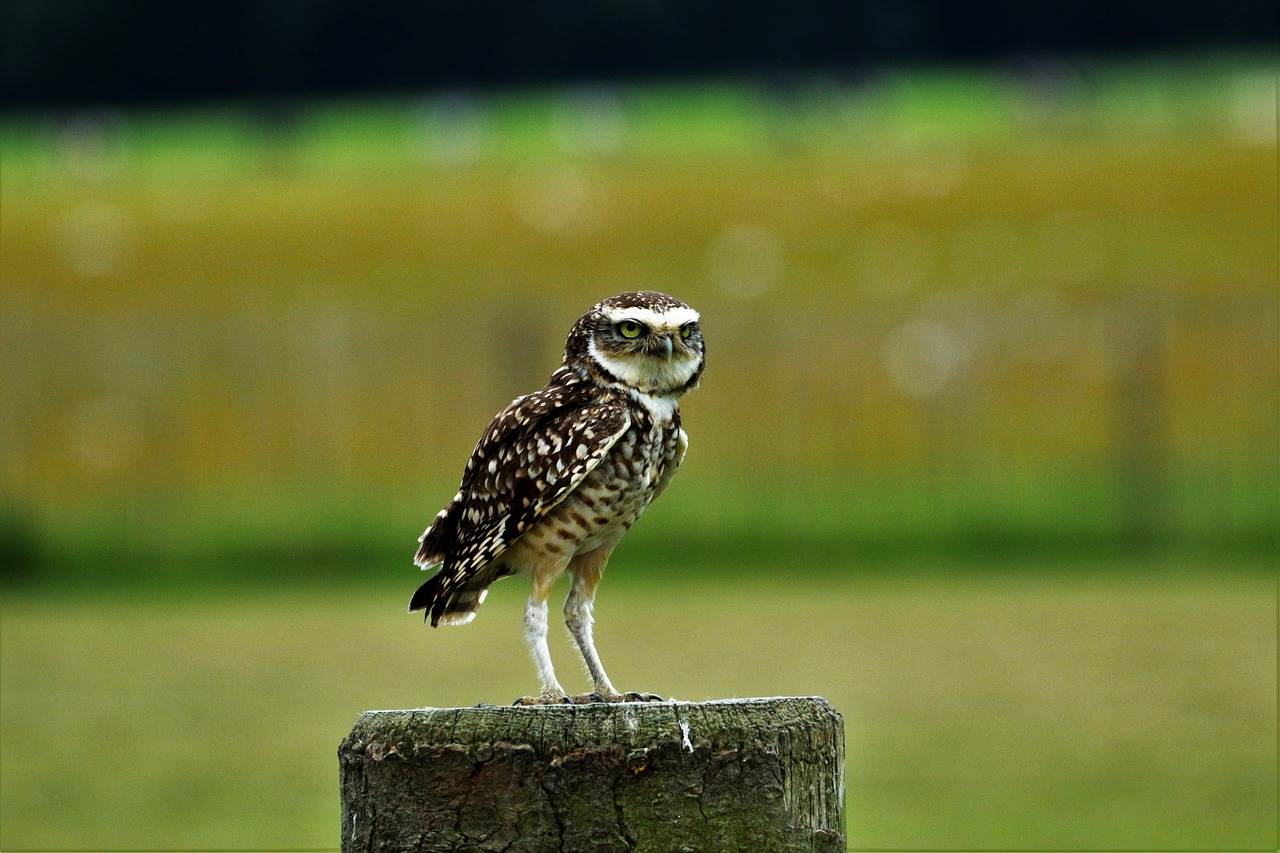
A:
[686,331]
[630,329]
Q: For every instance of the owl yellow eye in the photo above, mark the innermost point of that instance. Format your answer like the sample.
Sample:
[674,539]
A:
[630,329]
[686,331]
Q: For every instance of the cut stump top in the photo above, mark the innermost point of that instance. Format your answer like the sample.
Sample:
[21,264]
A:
[760,774]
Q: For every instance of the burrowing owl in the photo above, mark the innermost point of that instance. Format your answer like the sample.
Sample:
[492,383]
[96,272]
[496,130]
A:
[560,474]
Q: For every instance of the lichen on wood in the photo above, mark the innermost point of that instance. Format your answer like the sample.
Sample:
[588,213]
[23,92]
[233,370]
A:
[748,774]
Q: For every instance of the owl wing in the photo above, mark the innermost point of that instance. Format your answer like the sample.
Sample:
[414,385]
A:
[533,454]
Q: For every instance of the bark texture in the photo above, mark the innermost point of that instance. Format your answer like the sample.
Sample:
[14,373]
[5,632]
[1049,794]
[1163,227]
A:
[744,774]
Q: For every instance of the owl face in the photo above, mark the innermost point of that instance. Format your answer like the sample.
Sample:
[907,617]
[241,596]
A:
[646,340]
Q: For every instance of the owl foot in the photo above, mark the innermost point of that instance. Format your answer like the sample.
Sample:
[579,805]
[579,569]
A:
[591,699]
[586,699]
[548,699]
[617,697]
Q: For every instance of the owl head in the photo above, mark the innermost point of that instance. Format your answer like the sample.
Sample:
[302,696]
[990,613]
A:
[643,339]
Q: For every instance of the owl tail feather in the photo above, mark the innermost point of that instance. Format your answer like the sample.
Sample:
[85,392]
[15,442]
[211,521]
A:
[451,603]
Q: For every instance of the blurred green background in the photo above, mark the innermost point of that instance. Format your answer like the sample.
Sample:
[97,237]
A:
[986,451]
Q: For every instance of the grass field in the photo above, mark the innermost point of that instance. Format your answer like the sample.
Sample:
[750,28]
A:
[1046,711]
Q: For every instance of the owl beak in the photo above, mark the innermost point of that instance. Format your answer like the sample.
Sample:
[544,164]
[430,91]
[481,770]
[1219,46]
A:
[666,345]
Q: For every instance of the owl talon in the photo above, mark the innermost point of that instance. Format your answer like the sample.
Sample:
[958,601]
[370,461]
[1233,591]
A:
[642,697]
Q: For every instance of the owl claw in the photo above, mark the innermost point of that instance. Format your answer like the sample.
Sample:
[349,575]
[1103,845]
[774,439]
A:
[642,697]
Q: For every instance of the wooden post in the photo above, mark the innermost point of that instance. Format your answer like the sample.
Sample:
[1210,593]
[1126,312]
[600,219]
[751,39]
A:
[743,774]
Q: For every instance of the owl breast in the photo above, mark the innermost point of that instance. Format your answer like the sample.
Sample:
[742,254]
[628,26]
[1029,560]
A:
[608,501]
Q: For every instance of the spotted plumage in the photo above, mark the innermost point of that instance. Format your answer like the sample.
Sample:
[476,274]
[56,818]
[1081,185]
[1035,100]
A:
[561,474]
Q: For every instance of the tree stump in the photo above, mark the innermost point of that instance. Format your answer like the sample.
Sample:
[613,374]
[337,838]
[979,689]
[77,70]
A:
[743,774]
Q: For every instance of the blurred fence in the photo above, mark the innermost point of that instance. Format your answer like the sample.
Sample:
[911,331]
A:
[1020,329]
[1147,415]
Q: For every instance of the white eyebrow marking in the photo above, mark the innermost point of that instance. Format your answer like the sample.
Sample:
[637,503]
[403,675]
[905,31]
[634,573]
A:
[673,318]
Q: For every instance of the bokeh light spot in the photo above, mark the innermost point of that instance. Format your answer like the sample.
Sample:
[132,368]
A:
[94,238]
[746,260]
[91,145]
[557,198]
[1252,109]
[589,120]
[453,130]
[106,433]
[922,356]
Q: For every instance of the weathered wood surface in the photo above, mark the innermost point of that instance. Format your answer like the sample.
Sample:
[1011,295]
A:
[746,774]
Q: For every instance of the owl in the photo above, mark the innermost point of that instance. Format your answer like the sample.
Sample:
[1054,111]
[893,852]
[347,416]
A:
[561,474]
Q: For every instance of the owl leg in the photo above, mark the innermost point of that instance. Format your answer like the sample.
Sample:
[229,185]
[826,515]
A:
[577,617]
[586,570]
[535,631]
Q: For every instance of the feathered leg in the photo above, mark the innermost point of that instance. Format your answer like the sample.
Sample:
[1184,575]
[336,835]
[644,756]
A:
[586,571]
[535,631]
